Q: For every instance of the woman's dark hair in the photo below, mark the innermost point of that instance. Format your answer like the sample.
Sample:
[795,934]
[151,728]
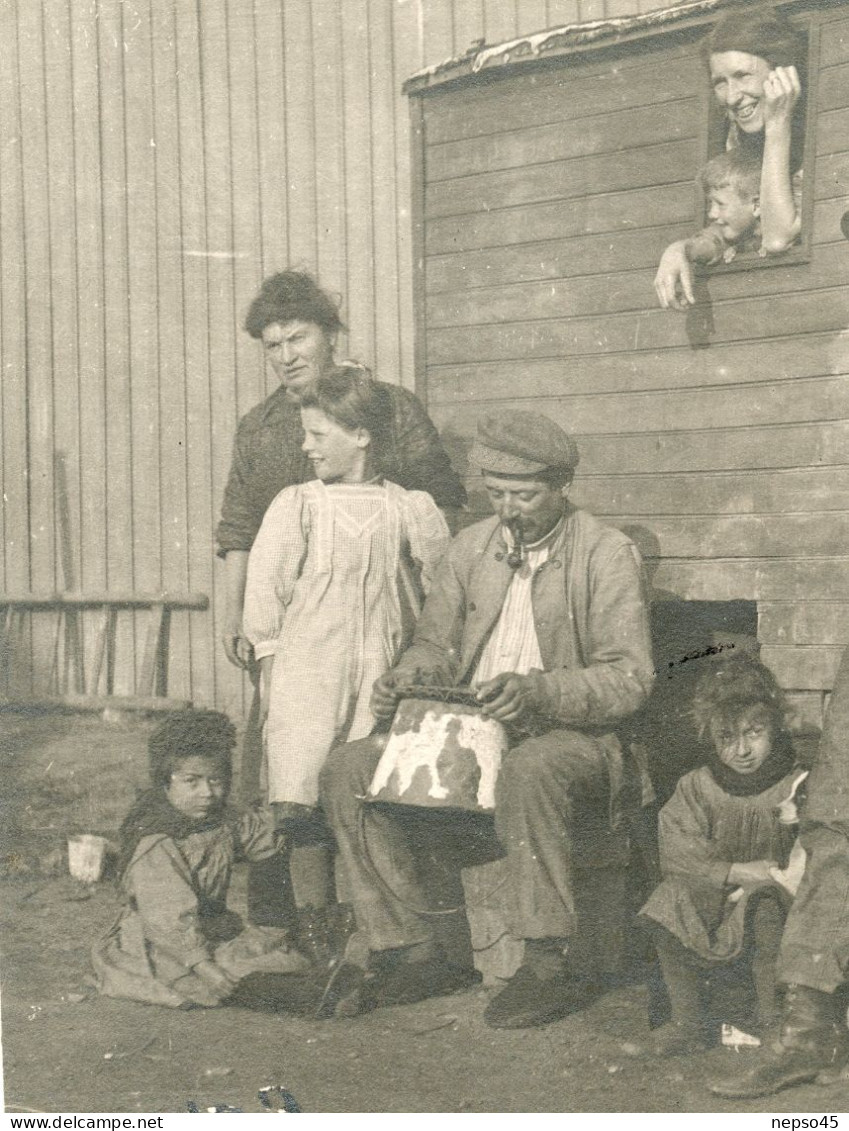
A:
[733,684]
[349,396]
[191,734]
[292,296]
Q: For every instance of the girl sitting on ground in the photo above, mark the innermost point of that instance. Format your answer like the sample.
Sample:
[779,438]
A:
[336,577]
[174,942]
[719,912]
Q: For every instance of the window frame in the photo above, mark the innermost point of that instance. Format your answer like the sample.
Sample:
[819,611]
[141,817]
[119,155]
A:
[712,144]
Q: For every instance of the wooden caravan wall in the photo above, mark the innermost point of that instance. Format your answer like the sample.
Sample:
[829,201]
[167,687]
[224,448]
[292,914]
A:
[720,441]
[157,158]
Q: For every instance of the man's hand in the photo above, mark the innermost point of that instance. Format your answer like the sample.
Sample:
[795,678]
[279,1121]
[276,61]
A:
[506,697]
[384,696]
[753,872]
[781,93]
[674,280]
[237,647]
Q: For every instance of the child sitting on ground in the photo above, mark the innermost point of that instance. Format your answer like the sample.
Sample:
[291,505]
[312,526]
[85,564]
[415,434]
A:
[174,942]
[720,907]
[731,184]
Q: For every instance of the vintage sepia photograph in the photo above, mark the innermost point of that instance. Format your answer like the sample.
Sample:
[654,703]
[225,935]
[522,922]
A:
[424,587]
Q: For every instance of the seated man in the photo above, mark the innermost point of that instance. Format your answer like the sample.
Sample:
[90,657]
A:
[541,608]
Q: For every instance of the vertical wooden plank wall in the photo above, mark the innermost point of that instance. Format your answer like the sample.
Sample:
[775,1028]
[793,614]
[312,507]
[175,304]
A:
[720,441]
[15,518]
[157,159]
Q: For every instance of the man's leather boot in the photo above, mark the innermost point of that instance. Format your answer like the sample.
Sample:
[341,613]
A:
[810,1041]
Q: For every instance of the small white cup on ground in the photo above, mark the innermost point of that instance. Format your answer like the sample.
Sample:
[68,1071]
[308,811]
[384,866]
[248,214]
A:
[86,854]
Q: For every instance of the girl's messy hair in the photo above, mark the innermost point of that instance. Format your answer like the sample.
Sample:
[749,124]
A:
[190,734]
[734,684]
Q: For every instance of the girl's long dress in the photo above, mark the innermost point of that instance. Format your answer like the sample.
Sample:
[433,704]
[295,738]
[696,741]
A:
[175,915]
[703,831]
[335,582]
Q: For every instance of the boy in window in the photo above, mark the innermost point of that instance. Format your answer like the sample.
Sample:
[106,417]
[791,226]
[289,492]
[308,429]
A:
[731,183]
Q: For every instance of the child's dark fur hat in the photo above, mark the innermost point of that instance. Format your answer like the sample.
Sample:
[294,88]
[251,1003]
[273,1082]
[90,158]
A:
[189,734]
[732,684]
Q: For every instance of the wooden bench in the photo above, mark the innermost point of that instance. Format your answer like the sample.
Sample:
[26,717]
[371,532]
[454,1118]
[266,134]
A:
[78,686]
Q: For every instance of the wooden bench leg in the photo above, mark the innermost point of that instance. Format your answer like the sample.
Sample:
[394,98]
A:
[153,672]
[6,631]
[104,650]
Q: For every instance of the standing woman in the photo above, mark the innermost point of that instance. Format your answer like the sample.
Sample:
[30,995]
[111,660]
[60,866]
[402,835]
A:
[756,61]
[297,323]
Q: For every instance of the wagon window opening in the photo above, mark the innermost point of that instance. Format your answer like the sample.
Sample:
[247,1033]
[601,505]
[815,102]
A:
[729,181]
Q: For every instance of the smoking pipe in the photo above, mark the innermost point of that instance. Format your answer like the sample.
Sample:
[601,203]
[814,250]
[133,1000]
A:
[517,554]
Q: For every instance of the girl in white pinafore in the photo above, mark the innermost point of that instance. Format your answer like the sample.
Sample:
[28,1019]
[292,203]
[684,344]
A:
[335,581]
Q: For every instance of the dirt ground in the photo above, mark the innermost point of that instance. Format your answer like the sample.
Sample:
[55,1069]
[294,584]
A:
[67,1050]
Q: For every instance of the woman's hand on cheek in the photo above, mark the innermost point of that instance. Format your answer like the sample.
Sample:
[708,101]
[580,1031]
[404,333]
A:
[782,89]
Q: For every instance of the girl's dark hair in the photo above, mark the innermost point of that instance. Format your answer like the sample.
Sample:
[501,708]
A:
[190,734]
[733,684]
[349,396]
[292,296]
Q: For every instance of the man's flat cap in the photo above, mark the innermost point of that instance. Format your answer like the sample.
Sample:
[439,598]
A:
[521,443]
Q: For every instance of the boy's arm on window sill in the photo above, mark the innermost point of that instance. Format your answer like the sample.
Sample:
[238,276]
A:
[706,247]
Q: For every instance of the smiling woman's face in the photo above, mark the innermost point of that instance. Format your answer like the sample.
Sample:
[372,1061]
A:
[738,83]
